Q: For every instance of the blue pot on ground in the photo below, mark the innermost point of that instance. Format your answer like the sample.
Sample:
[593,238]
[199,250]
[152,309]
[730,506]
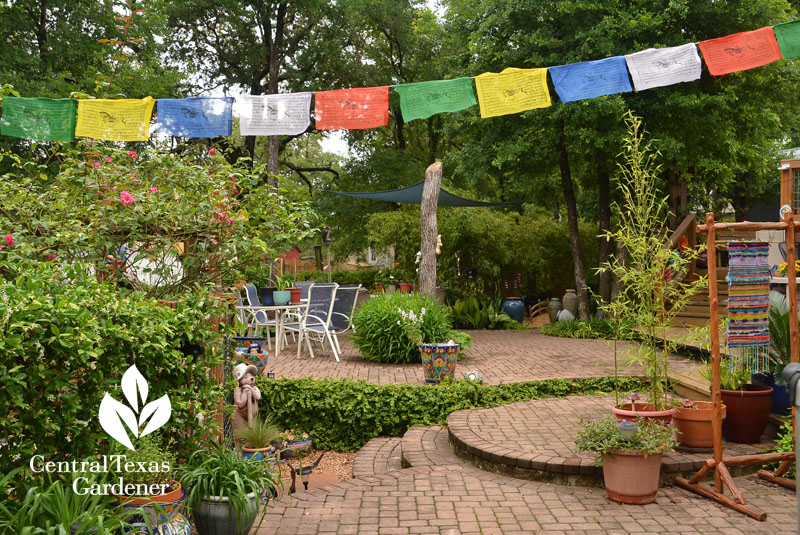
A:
[780,395]
[515,308]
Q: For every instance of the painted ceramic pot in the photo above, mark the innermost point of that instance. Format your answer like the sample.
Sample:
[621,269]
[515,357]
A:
[438,361]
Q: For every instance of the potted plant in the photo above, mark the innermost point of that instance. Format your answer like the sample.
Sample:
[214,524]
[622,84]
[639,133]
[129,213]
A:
[390,286]
[630,454]
[225,490]
[654,276]
[380,280]
[159,507]
[292,442]
[693,424]
[256,440]
[282,296]
[438,360]
[779,353]
[747,405]
[403,280]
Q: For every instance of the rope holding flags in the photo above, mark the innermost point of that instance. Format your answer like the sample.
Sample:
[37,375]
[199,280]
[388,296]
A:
[513,90]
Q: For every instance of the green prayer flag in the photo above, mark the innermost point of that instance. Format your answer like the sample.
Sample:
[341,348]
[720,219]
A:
[788,37]
[421,100]
[41,119]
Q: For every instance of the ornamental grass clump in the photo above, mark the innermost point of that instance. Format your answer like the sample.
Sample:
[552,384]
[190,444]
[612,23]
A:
[603,436]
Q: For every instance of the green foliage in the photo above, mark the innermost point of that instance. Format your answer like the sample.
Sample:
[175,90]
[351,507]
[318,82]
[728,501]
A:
[729,379]
[601,329]
[472,313]
[784,443]
[364,277]
[344,415]
[157,454]
[261,434]
[780,352]
[219,471]
[67,340]
[157,221]
[52,508]
[602,435]
[653,275]
[379,332]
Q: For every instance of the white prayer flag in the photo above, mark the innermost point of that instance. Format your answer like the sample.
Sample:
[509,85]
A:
[274,115]
[657,67]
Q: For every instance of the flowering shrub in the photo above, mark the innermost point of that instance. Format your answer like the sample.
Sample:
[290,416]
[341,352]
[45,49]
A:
[161,223]
[381,327]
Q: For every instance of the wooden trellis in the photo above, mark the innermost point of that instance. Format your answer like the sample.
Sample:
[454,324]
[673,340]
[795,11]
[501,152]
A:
[720,464]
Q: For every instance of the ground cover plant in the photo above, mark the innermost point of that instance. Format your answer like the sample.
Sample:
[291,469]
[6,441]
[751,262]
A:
[344,415]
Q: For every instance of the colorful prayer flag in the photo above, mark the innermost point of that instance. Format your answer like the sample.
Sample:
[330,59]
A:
[421,100]
[41,119]
[658,67]
[274,115]
[512,91]
[195,116]
[589,79]
[740,51]
[352,109]
[115,120]
[788,37]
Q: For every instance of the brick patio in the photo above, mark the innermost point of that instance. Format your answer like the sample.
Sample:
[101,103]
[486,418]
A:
[439,493]
[501,356]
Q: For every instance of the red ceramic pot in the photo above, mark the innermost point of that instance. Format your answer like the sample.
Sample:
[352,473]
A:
[646,411]
[748,413]
[405,287]
[296,292]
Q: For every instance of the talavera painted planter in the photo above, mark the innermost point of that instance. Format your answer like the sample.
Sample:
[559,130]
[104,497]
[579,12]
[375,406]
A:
[438,361]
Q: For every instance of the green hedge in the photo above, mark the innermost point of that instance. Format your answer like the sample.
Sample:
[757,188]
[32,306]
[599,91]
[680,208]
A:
[364,277]
[344,415]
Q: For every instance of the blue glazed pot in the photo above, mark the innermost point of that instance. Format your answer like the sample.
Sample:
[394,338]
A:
[438,361]
[514,307]
[265,296]
[281,297]
[780,395]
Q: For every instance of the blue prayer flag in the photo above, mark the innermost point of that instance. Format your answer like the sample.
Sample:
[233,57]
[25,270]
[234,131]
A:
[590,79]
[195,116]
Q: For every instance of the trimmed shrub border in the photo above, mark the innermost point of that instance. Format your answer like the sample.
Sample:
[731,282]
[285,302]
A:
[343,415]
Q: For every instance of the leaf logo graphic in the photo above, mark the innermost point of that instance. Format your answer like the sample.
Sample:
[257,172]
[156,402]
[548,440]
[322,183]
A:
[114,414]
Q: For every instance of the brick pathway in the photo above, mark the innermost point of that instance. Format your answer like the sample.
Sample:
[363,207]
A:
[535,440]
[501,356]
[441,494]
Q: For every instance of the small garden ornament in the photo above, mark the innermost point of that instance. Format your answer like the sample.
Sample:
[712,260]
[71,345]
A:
[246,396]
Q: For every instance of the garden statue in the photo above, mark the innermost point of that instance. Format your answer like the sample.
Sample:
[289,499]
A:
[439,244]
[246,396]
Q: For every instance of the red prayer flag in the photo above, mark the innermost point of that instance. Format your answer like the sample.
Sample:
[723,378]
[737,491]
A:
[352,109]
[740,51]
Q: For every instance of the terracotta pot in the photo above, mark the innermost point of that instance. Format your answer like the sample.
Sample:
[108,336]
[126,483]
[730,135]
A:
[694,425]
[295,295]
[645,411]
[630,477]
[748,413]
[172,496]
[405,287]
[379,287]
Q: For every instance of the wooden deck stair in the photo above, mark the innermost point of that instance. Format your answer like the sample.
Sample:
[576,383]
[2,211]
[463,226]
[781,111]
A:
[696,312]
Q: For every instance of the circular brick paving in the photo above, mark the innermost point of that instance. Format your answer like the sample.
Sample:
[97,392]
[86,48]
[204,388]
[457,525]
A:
[535,440]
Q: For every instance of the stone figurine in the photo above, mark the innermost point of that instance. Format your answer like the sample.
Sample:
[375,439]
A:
[246,396]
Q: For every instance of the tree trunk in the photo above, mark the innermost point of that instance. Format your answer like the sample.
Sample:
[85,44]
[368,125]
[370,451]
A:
[604,190]
[568,188]
[430,229]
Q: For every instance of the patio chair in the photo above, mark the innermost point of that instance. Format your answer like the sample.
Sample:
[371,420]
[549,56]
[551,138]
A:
[260,316]
[315,324]
[304,286]
[343,306]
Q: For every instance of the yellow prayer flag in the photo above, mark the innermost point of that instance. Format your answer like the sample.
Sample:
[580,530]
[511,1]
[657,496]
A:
[512,91]
[115,120]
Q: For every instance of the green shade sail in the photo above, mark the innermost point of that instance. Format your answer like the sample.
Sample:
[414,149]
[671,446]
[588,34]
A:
[788,37]
[41,119]
[413,195]
[421,100]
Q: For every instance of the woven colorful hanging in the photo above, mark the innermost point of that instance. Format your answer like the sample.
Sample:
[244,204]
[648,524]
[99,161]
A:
[748,305]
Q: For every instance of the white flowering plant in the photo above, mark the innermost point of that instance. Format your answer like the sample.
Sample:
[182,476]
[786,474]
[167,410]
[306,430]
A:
[412,324]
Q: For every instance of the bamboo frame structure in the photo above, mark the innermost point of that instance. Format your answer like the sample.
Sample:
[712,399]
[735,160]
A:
[719,464]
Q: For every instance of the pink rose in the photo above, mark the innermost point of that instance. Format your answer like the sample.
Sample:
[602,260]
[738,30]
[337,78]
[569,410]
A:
[154,189]
[132,154]
[8,239]
[125,198]
[212,152]
[96,164]
[51,257]
[107,158]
